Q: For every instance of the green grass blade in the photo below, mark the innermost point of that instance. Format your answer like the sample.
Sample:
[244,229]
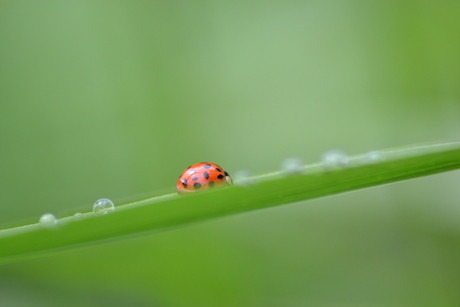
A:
[268,190]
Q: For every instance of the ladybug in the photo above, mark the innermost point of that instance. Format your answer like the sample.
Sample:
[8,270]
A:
[202,176]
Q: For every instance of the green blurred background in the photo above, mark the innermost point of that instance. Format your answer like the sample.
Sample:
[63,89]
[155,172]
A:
[115,98]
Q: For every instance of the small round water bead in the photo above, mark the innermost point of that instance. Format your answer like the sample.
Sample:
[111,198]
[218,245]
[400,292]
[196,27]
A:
[103,206]
[292,165]
[374,156]
[334,159]
[48,220]
[243,178]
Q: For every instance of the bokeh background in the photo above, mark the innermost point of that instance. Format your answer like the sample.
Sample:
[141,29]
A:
[115,98]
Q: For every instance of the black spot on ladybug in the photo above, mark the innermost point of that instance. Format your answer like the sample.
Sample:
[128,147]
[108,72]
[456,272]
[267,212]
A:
[195,178]
[184,183]
[207,166]
[211,184]
[197,185]
[226,174]
[206,175]
[218,169]
[220,176]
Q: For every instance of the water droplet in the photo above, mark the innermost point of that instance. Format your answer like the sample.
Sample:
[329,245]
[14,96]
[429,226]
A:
[77,216]
[374,157]
[103,206]
[334,159]
[48,220]
[243,178]
[292,165]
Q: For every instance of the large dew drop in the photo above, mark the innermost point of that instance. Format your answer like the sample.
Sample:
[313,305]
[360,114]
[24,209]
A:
[103,206]
[334,159]
[48,220]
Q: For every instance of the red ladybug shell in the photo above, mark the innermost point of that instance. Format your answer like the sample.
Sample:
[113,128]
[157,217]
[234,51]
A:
[202,176]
